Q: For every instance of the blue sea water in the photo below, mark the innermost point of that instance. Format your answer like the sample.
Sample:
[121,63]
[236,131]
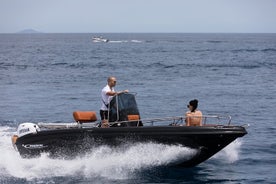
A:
[45,77]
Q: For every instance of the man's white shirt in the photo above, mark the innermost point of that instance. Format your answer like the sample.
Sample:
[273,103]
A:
[105,98]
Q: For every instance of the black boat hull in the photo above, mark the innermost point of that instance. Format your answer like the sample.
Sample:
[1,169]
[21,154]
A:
[71,142]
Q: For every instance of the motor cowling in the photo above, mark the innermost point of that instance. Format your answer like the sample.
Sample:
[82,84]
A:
[27,128]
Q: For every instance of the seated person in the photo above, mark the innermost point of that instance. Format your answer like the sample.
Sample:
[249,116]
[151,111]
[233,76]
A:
[193,116]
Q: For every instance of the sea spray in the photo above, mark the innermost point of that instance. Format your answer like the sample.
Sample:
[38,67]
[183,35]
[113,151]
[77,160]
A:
[230,153]
[103,161]
[122,163]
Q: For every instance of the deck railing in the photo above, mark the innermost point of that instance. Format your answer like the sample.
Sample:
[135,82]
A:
[180,120]
[174,121]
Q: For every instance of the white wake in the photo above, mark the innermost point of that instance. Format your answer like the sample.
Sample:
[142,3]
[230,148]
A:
[103,161]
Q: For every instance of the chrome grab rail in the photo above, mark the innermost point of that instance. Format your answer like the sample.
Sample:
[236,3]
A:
[180,120]
[174,120]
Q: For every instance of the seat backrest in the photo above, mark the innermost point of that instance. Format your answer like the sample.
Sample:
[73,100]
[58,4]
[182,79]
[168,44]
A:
[133,117]
[134,120]
[85,116]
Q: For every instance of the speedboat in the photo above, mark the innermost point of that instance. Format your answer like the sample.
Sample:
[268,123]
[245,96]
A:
[99,39]
[68,140]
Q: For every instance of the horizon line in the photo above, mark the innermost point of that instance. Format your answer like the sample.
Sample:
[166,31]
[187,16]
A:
[138,33]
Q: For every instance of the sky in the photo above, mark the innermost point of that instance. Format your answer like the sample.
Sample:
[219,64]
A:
[135,16]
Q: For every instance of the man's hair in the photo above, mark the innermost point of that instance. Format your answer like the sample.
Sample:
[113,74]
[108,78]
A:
[110,78]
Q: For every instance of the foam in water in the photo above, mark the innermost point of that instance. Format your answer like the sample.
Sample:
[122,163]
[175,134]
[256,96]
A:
[125,41]
[230,153]
[103,161]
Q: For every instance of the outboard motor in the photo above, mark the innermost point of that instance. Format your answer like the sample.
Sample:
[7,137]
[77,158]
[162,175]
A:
[27,128]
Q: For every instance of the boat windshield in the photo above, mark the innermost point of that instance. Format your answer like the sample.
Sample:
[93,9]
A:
[121,106]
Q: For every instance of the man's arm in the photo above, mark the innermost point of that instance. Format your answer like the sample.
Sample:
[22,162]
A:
[113,93]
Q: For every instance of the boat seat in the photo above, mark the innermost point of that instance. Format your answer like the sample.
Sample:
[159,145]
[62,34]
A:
[85,116]
[133,117]
[134,120]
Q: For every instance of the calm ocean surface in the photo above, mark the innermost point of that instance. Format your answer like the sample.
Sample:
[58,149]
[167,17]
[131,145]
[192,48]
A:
[45,77]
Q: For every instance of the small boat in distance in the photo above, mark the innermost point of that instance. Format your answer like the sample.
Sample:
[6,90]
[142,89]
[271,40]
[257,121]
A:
[68,140]
[97,39]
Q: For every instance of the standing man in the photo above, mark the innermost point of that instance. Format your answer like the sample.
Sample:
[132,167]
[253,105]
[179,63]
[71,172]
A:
[107,94]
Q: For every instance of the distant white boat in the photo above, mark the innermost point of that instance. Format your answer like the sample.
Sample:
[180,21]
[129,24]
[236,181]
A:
[99,39]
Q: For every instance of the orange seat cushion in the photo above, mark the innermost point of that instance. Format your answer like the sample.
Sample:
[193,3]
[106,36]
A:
[133,117]
[85,116]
